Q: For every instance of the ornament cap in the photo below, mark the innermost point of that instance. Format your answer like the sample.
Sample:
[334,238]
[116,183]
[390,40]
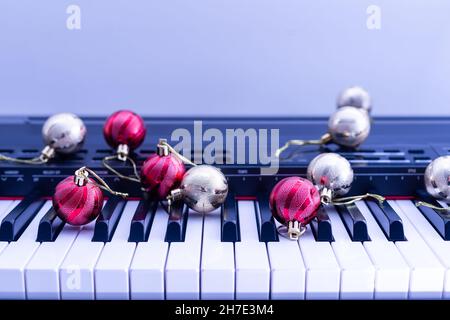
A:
[122,152]
[47,153]
[81,177]
[326,195]
[295,230]
[162,149]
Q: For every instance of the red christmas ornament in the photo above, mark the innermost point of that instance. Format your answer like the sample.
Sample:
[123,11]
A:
[294,202]
[124,128]
[160,174]
[77,205]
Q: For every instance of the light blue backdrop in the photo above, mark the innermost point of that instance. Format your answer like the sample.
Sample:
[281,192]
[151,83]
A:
[222,57]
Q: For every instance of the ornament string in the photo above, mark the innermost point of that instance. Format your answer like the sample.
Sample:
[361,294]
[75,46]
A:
[36,160]
[323,140]
[176,153]
[82,177]
[353,199]
[134,178]
[432,206]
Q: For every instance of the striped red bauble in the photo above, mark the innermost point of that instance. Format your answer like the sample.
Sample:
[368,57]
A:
[162,173]
[294,199]
[124,127]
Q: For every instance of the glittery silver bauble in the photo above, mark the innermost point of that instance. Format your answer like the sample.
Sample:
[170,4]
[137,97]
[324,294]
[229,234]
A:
[355,97]
[64,132]
[331,172]
[437,178]
[204,188]
[349,126]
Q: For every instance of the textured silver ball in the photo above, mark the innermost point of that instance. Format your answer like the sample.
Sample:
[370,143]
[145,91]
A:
[64,132]
[355,97]
[437,178]
[331,171]
[349,126]
[204,188]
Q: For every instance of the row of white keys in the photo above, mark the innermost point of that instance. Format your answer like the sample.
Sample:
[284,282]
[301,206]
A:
[287,270]
[357,271]
[112,269]
[391,270]
[15,257]
[434,240]
[252,263]
[217,261]
[323,273]
[148,266]
[183,262]
[427,273]
[42,272]
[5,207]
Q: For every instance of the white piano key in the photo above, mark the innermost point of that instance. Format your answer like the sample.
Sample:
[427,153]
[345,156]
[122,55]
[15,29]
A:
[183,262]
[357,271]
[322,270]
[427,273]
[77,270]
[252,262]
[287,270]
[112,269]
[5,207]
[147,267]
[391,270]
[15,257]
[217,267]
[440,247]
[42,272]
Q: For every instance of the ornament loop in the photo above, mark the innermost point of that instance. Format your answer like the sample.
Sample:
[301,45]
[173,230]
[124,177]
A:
[46,154]
[81,178]
[163,144]
[134,178]
[323,140]
[353,199]
[429,205]
[293,231]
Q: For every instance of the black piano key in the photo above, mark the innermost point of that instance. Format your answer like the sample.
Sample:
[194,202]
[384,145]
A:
[321,227]
[266,224]
[142,221]
[49,226]
[439,220]
[354,222]
[176,226]
[388,220]
[109,218]
[15,223]
[230,220]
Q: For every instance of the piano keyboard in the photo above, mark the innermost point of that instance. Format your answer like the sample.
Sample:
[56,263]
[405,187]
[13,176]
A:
[362,251]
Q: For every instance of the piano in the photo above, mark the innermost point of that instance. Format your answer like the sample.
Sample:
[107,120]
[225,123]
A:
[136,249]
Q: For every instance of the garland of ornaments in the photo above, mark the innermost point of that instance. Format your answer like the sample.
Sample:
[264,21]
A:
[294,201]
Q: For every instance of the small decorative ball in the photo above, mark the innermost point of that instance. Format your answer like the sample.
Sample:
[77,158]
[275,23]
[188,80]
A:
[331,171]
[64,132]
[161,174]
[355,97]
[204,188]
[349,126]
[77,205]
[437,178]
[124,128]
[294,199]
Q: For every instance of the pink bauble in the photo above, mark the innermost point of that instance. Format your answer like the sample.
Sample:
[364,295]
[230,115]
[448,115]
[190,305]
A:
[294,199]
[77,205]
[161,174]
[124,128]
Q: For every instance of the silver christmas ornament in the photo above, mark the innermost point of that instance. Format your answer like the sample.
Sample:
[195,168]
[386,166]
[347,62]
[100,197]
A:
[349,126]
[437,178]
[355,97]
[332,174]
[203,188]
[64,133]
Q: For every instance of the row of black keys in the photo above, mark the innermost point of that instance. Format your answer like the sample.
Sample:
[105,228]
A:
[50,225]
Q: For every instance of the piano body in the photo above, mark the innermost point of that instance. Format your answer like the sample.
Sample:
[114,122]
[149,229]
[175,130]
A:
[138,250]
